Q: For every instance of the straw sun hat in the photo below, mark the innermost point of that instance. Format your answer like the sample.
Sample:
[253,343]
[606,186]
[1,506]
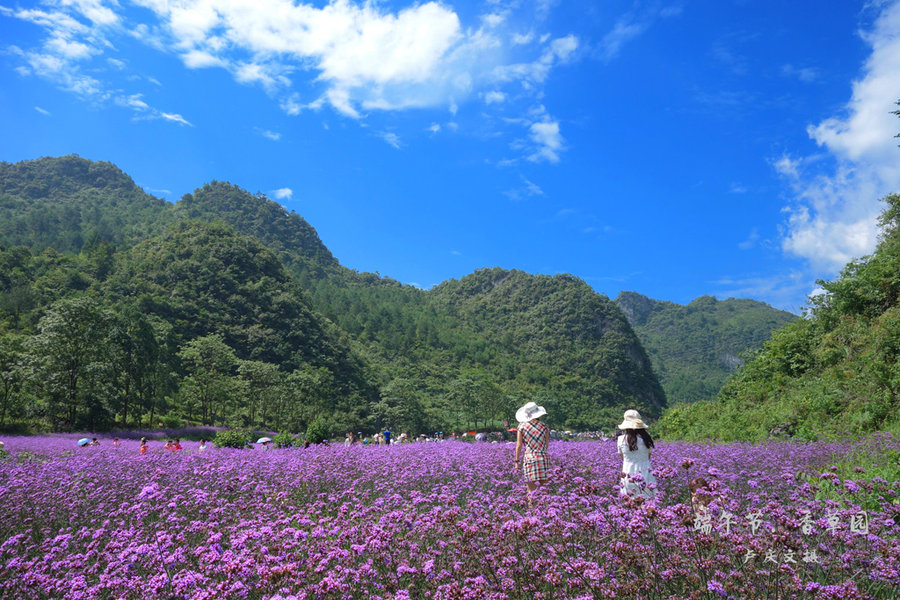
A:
[632,420]
[530,411]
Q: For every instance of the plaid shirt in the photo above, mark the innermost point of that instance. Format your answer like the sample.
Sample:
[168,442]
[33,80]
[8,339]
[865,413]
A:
[535,438]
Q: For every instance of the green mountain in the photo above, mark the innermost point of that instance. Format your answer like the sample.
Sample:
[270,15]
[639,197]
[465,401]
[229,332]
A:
[63,203]
[834,373]
[697,347]
[556,334]
[287,234]
[227,309]
[435,339]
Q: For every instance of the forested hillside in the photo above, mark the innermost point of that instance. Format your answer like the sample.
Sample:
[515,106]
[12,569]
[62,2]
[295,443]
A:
[696,347]
[836,372]
[434,346]
[558,338]
[63,203]
[118,309]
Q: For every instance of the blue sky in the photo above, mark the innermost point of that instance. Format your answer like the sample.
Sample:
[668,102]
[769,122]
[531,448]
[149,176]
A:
[676,149]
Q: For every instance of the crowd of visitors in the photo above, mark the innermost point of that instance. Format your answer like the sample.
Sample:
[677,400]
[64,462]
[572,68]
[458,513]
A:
[532,445]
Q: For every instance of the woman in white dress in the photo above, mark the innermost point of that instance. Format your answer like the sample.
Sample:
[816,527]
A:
[634,446]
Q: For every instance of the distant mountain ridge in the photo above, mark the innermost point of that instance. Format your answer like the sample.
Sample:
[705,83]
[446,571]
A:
[835,373]
[62,202]
[542,322]
[464,353]
[696,347]
[287,234]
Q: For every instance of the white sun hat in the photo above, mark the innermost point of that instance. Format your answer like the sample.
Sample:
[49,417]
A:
[530,411]
[632,420]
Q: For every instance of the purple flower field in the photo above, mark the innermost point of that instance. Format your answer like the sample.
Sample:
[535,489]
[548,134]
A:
[443,520]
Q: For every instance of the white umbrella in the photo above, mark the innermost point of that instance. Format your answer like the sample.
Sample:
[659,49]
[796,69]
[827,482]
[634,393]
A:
[263,440]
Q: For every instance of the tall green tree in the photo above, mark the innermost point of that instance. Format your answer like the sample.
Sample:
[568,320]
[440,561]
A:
[12,367]
[400,408]
[135,354]
[69,363]
[462,394]
[262,382]
[308,395]
[209,390]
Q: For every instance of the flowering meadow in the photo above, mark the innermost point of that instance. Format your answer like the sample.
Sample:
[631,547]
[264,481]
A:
[442,520]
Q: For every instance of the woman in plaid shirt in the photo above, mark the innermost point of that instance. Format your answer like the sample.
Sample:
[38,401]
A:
[534,436]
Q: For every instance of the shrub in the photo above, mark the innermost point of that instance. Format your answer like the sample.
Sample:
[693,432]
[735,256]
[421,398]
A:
[171,421]
[318,431]
[284,440]
[232,438]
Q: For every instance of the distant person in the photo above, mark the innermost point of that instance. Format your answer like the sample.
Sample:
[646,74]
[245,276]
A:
[701,495]
[95,442]
[534,437]
[143,449]
[116,443]
[387,437]
[202,446]
[634,446]
[176,445]
[169,446]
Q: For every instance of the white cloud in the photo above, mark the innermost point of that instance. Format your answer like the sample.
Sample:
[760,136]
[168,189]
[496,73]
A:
[528,189]
[804,74]
[133,102]
[257,73]
[532,73]
[292,105]
[157,192]
[532,188]
[94,11]
[42,111]
[632,25]
[272,135]
[787,166]
[198,59]
[751,240]
[780,291]
[545,134]
[434,128]
[493,19]
[520,39]
[284,193]
[834,216]
[622,33]
[65,56]
[69,49]
[175,118]
[494,97]
[390,138]
[353,56]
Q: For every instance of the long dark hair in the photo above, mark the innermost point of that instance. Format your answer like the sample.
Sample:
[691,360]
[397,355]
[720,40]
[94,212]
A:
[631,438]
